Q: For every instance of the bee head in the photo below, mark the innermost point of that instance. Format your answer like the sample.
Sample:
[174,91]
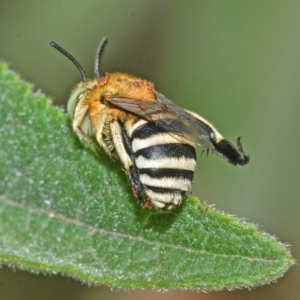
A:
[79,92]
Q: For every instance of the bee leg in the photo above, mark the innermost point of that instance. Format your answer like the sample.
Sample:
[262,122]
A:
[87,139]
[123,148]
[78,119]
[133,172]
[133,175]
[118,142]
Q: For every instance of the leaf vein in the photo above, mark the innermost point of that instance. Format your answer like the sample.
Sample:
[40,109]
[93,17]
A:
[36,210]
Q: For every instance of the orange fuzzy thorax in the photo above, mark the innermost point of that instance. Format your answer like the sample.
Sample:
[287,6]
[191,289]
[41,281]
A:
[111,85]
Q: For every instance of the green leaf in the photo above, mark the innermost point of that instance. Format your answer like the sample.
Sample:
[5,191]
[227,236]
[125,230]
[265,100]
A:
[63,209]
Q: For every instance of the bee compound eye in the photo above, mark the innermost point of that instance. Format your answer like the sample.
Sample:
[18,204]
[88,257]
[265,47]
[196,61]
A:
[73,101]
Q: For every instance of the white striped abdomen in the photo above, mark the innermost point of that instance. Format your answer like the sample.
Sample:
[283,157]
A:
[165,164]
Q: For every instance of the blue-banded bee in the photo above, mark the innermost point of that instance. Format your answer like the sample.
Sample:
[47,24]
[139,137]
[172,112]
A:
[153,137]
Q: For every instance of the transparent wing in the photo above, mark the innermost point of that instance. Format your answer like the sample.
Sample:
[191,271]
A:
[168,116]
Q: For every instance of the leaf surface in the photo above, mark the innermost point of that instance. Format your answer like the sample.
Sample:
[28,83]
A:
[63,209]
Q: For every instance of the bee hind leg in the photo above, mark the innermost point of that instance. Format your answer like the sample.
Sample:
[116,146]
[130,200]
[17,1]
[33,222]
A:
[137,188]
[122,144]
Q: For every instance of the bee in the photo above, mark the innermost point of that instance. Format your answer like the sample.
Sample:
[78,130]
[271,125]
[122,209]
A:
[154,138]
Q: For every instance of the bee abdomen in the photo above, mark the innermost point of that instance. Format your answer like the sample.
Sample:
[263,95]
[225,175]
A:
[166,165]
[163,198]
[167,150]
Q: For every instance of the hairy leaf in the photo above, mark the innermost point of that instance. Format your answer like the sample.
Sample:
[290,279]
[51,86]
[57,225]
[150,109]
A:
[63,209]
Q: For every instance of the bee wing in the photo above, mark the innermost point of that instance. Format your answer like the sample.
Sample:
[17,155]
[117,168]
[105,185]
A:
[168,116]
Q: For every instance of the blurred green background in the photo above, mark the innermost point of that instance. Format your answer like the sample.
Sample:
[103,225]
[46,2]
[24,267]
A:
[236,63]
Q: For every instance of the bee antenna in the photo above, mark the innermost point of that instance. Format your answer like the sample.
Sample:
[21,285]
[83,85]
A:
[99,52]
[71,58]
